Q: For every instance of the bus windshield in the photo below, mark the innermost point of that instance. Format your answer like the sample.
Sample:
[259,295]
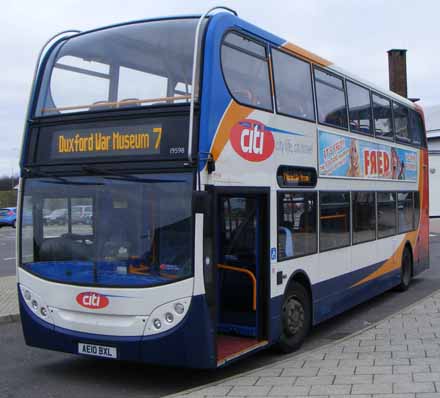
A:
[127,66]
[121,230]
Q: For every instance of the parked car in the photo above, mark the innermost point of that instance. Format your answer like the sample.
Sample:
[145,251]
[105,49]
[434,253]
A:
[82,214]
[8,216]
[58,216]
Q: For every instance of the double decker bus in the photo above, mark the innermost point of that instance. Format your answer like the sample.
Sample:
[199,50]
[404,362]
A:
[194,189]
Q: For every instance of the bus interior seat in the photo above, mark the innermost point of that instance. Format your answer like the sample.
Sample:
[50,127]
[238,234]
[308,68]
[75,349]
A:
[64,248]
[100,106]
[129,103]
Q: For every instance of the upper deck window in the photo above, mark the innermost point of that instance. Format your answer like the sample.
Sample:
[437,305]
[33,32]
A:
[293,86]
[383,124]
[359,108]
[128,66]
[400,114]
[246,71]
[416,128]
[330,97]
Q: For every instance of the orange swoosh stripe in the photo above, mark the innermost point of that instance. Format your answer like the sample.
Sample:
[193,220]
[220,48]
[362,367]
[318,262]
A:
[303,53]
[234,113]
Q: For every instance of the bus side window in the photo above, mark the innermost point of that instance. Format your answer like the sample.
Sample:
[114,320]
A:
[364,216]
[386,214]
[383,123]
[359,108]
[334,220]
[246,71]
[330,98]
[405,211]
[296,224]
[416,129]
[400,114]
[293,86]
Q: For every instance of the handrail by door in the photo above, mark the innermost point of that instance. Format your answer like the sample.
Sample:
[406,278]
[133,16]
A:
[251,276]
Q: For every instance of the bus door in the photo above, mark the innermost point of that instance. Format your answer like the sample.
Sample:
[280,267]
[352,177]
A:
[242,273]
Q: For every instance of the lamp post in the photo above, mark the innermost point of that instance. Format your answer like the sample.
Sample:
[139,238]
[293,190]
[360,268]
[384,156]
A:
[14,150]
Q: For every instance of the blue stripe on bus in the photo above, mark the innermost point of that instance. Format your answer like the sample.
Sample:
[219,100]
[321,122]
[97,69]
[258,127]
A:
[275,130]
[348,297]
[328,287]
[336,295]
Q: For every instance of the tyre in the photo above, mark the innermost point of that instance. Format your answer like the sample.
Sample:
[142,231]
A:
[405,271]
[14,224]
[296,318]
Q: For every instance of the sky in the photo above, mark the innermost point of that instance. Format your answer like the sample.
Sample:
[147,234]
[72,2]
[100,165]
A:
[355,34]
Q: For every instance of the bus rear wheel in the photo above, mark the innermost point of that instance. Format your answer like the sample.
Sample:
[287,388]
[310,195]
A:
[296,318]
[405,271]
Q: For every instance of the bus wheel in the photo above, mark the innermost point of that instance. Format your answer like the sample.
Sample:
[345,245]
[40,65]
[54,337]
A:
[296,318]
[405,271]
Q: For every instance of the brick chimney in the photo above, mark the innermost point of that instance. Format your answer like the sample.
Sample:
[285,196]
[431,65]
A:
[397,71]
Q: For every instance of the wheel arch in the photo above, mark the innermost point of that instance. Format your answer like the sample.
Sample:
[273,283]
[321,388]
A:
[301,277]
[409,247]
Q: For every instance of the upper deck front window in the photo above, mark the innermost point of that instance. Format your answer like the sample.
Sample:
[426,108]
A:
[128,66]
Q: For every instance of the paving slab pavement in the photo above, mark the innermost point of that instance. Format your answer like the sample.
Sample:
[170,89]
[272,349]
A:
[398,357]
[8,299]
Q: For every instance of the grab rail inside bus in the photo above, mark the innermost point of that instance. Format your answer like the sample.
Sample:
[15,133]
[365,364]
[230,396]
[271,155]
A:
[251,276]
[194,74]
[117,104]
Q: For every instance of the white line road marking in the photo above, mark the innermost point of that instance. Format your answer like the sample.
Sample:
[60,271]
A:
[9,258]
[432,235]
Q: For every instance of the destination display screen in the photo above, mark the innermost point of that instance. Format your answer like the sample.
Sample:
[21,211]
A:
[293,176]
[130,140]
[152,139]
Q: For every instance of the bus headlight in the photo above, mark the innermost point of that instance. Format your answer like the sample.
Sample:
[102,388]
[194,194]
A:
[27,294]
[167,316]
[179,308]
[157,323]
[36,304]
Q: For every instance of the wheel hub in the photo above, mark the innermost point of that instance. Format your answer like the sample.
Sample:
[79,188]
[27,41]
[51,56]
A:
[293,316]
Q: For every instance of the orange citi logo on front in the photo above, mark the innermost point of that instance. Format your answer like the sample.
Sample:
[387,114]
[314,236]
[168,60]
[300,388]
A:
[92,300]
[252,140]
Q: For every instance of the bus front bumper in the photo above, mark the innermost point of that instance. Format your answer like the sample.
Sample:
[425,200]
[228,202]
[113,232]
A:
[190,344]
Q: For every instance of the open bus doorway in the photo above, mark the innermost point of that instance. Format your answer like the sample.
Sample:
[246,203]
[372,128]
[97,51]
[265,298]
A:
[242,275]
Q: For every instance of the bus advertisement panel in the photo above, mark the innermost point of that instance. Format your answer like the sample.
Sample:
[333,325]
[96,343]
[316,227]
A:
[342,156]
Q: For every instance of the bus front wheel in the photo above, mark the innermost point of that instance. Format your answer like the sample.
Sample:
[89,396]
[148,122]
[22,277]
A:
[405,271]
[296,318]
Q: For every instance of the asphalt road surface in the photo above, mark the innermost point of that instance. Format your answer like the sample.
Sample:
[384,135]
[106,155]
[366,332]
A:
[7,251]
[29,372]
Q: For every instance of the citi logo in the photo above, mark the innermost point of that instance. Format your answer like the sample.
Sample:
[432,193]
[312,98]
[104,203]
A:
[92,300]
[252,140]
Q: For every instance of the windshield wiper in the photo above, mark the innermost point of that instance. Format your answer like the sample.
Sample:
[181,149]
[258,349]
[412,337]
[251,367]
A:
[40,173]
[60,180]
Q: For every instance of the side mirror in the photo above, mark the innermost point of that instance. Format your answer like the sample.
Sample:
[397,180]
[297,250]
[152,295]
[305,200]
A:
[201,202]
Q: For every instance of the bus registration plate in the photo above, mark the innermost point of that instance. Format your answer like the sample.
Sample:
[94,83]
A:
[97,350]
